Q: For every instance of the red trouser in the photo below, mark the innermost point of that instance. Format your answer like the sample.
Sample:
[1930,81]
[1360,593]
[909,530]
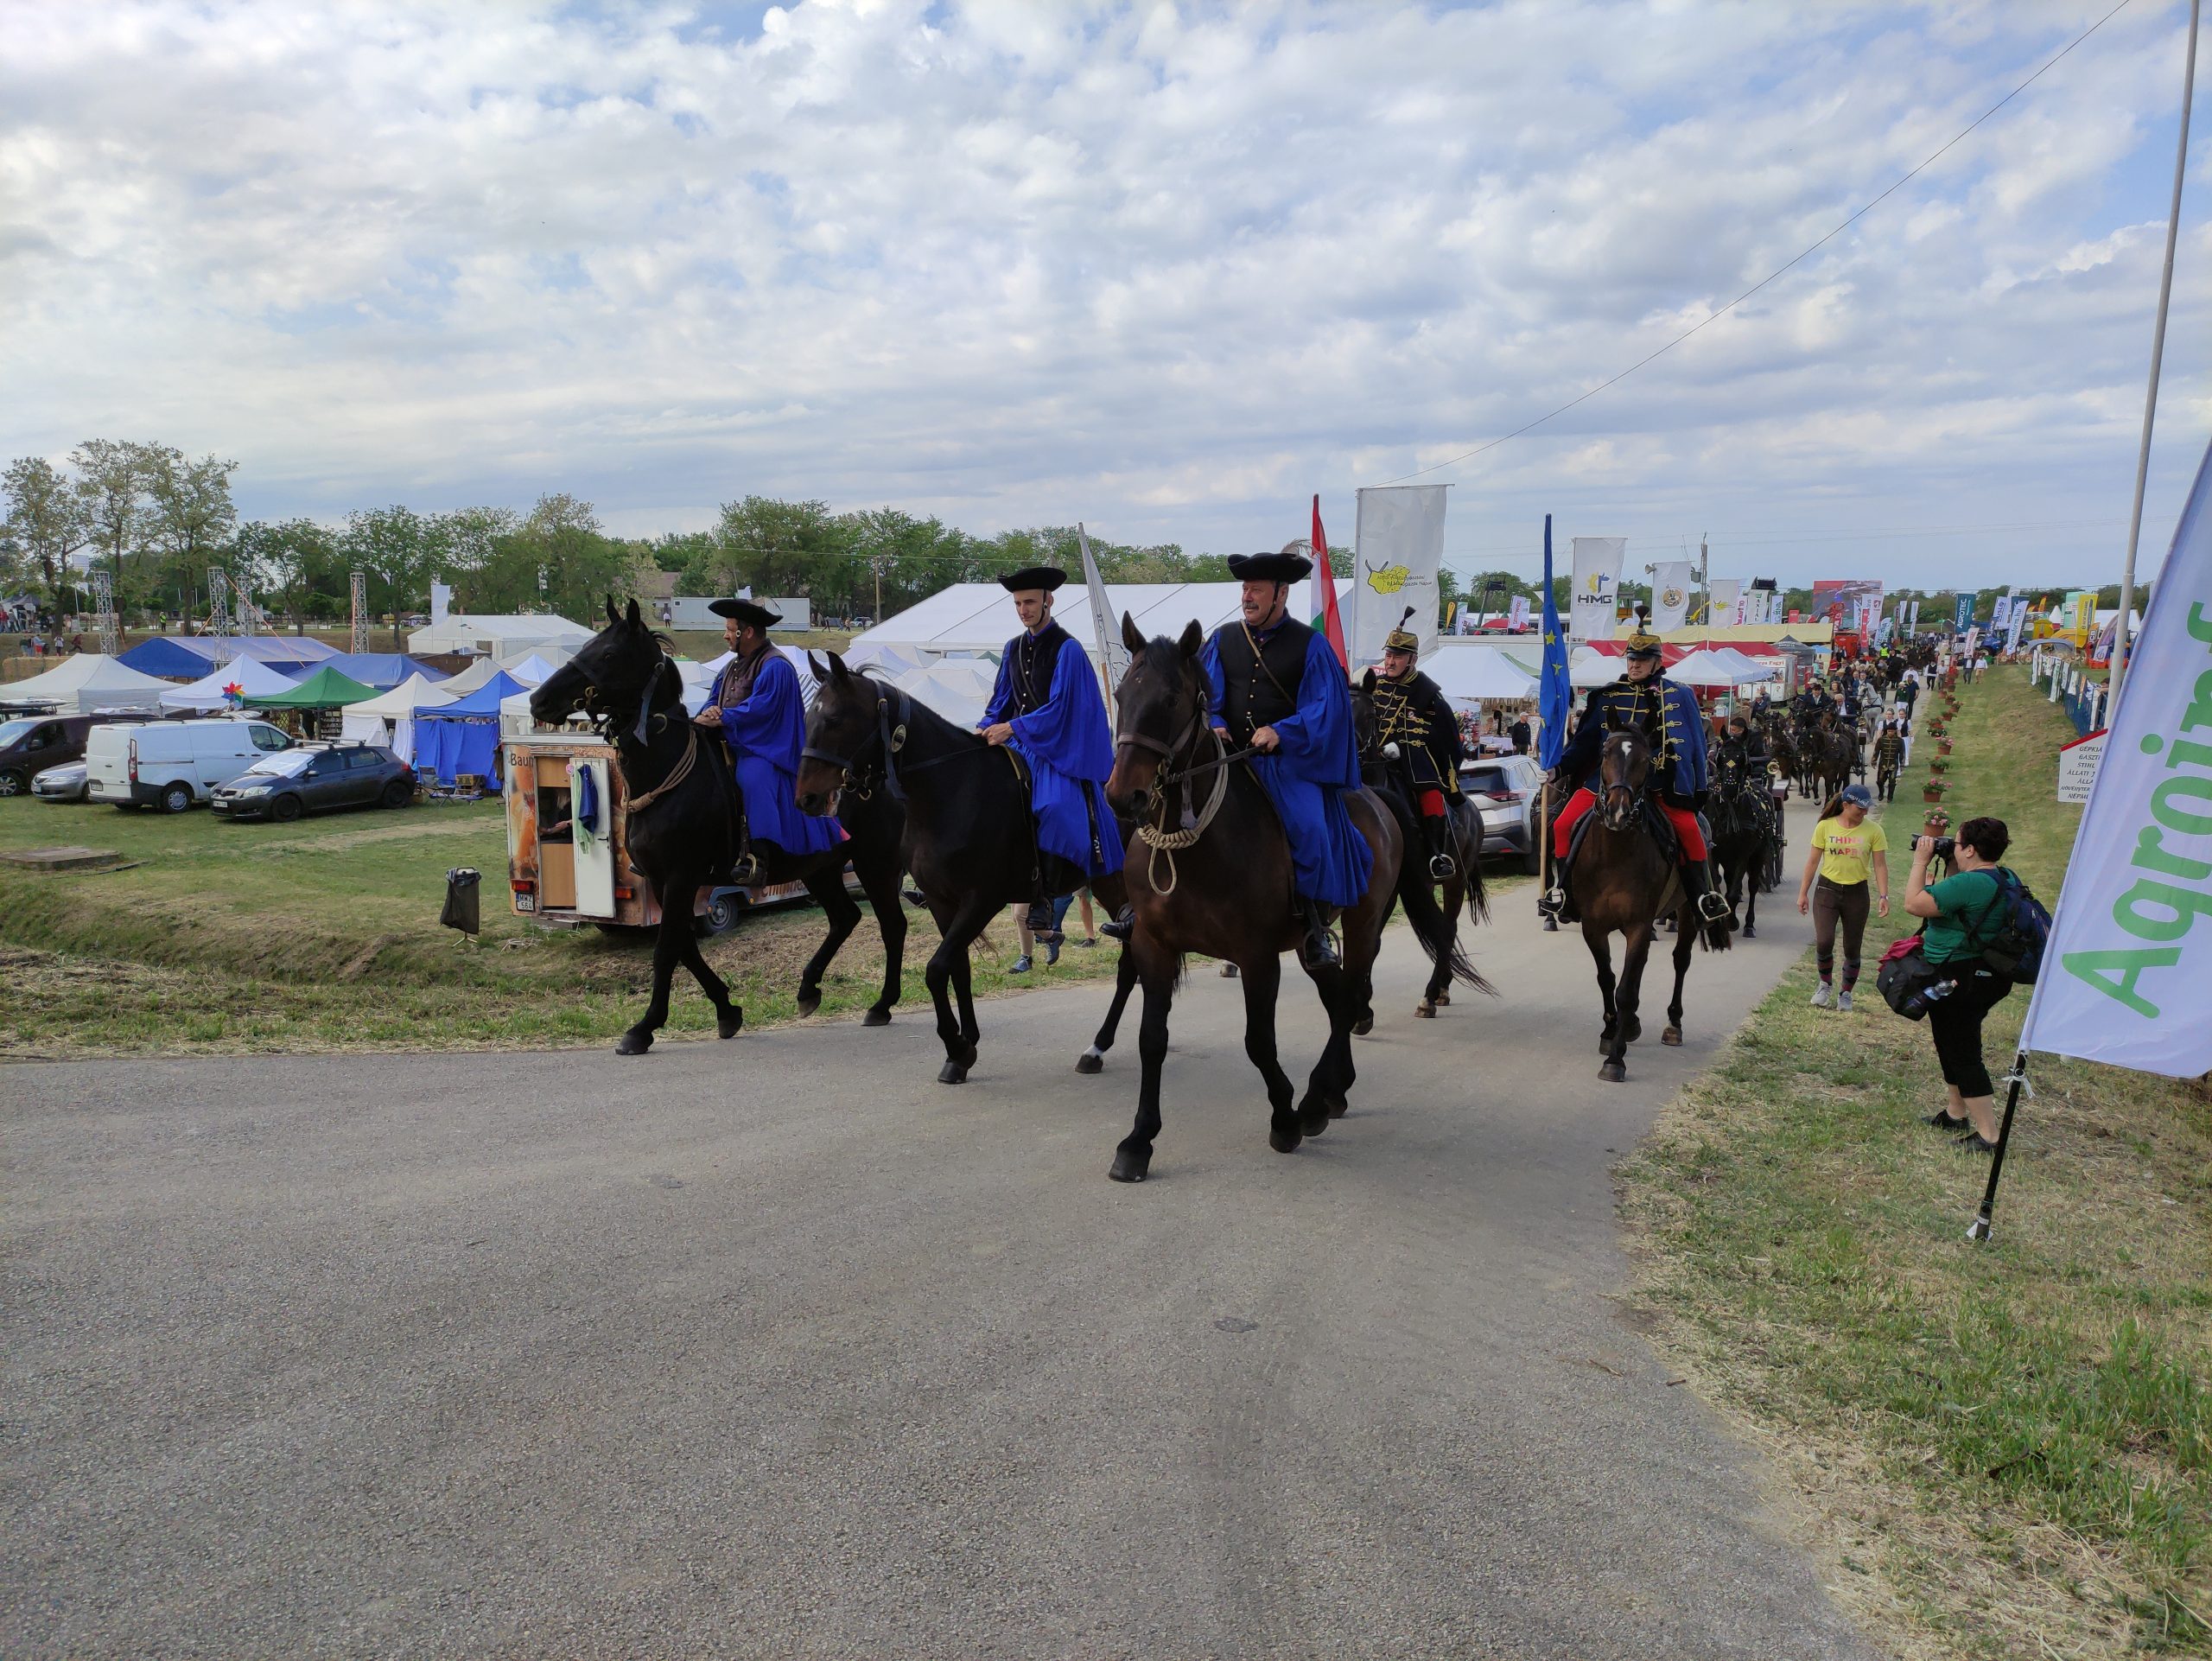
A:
[1683,820]
[1431,805]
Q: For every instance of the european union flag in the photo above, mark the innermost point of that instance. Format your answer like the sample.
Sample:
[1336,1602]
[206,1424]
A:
[1555,690]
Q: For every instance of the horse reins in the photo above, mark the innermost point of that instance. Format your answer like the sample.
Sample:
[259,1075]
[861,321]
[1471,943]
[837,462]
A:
[1166,843]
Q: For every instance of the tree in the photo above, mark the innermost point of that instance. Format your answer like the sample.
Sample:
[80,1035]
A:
[189,514]
[558,558]
[399,549]
[45,519]
[296,566]
[112,492]
[785,548]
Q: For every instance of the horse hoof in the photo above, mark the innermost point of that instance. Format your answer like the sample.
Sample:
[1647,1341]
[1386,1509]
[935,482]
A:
[1424,1010]
[1283,1142]
[730,1022]
[634,1043]
[1444,997]
[807,1003]
[876,1018]
[1338,1106]
[1364,1025]
[1750,933]
[1313,1118]
[967,1057]
[1614,1072]
[1089,1062]
[952,1072]
[1129,1166]
[1635,1031]
[1229,971]
[1673,1036]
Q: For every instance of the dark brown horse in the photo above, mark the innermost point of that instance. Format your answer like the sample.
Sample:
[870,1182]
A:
[1831,756]
[1210,872]
[1623,883]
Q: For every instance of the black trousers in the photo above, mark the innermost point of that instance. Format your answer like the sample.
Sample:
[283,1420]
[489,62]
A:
[1955,1025]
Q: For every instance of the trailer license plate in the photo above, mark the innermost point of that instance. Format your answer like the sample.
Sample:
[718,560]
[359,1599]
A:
[525,902]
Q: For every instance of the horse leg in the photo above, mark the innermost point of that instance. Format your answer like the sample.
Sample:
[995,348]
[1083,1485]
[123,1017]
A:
[1601,953]
[1262,981]
[827,889]
[1133,1158]
[881,883]
[1439,974]
[1629,997]
[948,968]
[1682,948]
[1125,979]
[1752,892]
[1327,1086]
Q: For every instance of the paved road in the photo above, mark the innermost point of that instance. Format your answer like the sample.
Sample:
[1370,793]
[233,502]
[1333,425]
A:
[778,1347]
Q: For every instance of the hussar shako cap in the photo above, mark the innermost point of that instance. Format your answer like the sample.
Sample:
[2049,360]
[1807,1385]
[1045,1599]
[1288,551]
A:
[1290,565]
[746,611]
[1403,639]
[1643,643]
[1047,577]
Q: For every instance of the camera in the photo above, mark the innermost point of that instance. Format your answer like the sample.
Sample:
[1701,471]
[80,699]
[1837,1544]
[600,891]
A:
[1939,847]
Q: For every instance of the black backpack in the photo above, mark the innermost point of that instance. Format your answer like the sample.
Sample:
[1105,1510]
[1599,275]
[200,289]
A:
[2013,931]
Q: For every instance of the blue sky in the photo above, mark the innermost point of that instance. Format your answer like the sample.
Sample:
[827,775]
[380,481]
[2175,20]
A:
[1165,269]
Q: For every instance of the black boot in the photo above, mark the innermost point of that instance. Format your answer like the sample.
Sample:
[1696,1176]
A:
[1555,901]
[1123,924]
[1320,951]
[1441,866]
[1041,927]
[1711,906]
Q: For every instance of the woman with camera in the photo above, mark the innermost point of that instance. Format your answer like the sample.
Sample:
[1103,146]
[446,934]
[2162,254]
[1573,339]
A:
[1962,912]
[1847,848]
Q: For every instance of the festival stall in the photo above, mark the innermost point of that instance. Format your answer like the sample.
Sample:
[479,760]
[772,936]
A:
[237,685]
[389,718]
[459,738]
[88,685]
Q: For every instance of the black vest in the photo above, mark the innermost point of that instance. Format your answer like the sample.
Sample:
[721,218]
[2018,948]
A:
[1413,715]
[1031,659]
[1254,695]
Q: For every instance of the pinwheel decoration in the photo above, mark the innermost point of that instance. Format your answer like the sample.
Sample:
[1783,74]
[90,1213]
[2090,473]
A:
[234,691]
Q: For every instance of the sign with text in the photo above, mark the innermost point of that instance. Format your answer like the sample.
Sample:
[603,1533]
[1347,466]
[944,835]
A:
[2077,766]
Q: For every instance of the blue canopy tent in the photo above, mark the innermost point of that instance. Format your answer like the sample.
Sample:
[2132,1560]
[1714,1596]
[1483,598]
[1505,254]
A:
[383,669]
[188,656]
[463,736]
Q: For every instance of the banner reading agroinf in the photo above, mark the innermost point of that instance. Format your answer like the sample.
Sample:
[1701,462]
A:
[1397,545]
[2128,975]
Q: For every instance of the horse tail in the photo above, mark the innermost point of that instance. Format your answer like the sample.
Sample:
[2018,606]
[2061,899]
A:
[1438,937]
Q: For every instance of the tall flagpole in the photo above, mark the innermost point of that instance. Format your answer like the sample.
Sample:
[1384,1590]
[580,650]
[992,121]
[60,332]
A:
[2157,354]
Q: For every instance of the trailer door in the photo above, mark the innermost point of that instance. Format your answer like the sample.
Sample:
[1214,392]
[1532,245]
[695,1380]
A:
[588,799]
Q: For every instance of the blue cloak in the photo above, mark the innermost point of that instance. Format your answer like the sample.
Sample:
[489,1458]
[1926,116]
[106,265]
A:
[1306,778]
[1681,769]
[766,734]
[1069,746]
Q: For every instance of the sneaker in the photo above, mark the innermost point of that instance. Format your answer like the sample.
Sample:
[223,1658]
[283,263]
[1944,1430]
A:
[1843,1003]
[1088,941]
[1052,951]
[1822,995]
[1021,965]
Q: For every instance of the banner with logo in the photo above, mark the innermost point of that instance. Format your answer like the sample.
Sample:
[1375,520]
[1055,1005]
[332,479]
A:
[1397,548]
[1723,599]
[2016,624]
[1842,602]
[1517,615]
[1670,594]
[2128,975]
[1597,586]
[1962,614]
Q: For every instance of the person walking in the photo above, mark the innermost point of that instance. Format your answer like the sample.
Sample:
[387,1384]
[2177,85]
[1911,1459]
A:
[1848,848]
[1519,733]
[1960,913]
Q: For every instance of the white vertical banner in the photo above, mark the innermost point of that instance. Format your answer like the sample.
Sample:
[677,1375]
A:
[1113,661]
[2016,624]
[441,601]
[1517,615]
[1670,594]
[1597,586]
[1397,548]
[1725,601]
[2127,978]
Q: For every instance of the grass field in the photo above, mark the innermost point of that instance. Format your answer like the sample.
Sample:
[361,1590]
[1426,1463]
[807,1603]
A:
[2008,1446]
[323,934]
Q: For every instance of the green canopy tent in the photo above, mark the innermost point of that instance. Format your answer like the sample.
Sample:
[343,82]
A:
[324,689]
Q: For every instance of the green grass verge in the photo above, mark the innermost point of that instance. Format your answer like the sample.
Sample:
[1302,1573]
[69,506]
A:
[2008,1446]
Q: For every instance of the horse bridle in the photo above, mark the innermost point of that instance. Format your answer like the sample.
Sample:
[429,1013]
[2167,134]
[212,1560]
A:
[891,736]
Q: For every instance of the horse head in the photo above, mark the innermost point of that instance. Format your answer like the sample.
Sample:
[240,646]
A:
[611,678]
[842,731]
[1624,765]
[1160,707]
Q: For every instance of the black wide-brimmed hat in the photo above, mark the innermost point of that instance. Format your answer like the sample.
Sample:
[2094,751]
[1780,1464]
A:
[1288,566]
[1047,577]
[746,611]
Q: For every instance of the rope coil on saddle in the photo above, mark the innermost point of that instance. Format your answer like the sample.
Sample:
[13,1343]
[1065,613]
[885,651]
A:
[677,775]
[1164,843]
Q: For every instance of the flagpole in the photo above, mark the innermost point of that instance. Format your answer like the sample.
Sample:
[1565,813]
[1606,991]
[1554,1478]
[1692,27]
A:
[2157,354]
[1978,1229]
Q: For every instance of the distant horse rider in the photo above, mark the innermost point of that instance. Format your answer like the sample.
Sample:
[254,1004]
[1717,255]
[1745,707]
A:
[759,709]
[1275,687]
[1644,701]
[1047,709]
[1411,711]
[1889,759]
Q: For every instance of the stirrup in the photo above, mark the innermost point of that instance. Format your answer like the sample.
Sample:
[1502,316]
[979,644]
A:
[1553,903]
[1712,906]
[1319,949]
[1041,924]
[744,870]
[1442,868]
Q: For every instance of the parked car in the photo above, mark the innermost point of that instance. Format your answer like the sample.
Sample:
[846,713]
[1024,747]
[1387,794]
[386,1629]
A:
[1508,791]
[308,779]
[34,742]
[67,783]
[172,764]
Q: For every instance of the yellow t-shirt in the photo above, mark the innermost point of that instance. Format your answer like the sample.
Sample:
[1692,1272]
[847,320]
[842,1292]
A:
[1848,854]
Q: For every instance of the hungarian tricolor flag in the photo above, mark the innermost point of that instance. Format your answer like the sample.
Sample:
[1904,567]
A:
[1332,624]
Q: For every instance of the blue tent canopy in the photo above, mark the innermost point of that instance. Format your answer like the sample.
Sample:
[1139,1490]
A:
[191,656]
[463,736]
[383,669]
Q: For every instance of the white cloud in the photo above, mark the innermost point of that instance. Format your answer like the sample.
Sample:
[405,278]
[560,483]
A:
[1167,270]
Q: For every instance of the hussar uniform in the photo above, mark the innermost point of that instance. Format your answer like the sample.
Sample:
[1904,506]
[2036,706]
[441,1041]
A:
[1412,712]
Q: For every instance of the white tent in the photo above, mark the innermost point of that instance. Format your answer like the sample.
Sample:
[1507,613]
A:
[1707,667]
[981,617]
[888,659]
[250,676]
[90,684]
[535,669]
[957,688]
[510,636]
[389,717]
[1475,674]
[699,678]
[1586,667]
[471,677]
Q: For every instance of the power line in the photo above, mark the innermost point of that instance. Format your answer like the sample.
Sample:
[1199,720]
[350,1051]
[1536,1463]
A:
[1778,270]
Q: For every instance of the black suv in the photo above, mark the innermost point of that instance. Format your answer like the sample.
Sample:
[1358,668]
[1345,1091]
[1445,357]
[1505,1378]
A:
[31,744]
[311,778]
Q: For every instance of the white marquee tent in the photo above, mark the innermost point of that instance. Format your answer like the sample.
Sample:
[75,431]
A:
[253,678]
[389,717]
[89,685]
[510,636]
[981,617]
[1467,673]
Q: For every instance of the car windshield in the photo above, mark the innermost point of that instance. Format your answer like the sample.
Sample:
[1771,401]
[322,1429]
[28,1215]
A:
[12,732]
[285,764]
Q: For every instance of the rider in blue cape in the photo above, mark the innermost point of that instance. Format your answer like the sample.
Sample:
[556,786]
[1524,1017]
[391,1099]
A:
[759,709]
[1278,689]
[1047,709]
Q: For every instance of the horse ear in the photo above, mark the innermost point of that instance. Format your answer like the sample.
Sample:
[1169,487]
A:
[1132,636]
[613,615]
[633,616]
[813,665]
[1193,637]
[1367,682]
[837,669]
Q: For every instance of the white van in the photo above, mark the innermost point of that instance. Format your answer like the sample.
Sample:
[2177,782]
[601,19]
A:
[172,764]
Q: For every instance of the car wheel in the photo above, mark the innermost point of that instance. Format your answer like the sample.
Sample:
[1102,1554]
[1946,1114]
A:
[176,797]
[11,784]
[284,809]
[398,793]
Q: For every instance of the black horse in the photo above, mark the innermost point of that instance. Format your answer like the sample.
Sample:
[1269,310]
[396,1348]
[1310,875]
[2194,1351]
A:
[682,823]
[1741,814]
[1464,888]
[969,839]
[1211,873]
